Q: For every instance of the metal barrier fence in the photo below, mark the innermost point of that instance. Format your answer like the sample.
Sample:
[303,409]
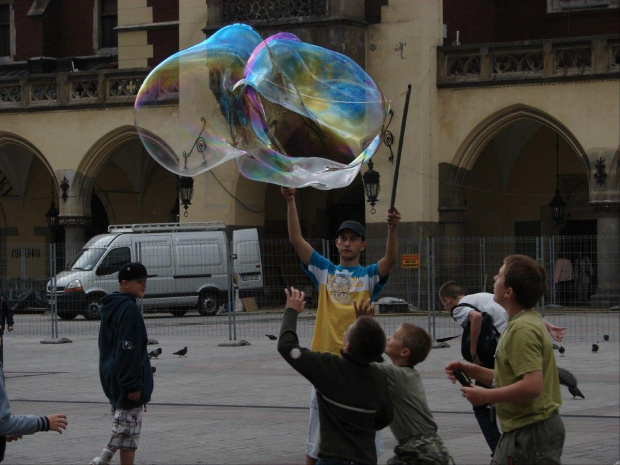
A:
[195,290]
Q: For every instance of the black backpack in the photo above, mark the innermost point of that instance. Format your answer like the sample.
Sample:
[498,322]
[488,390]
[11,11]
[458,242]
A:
[487,342]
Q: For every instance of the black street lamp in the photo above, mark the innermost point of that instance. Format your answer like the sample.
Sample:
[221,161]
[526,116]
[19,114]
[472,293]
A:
[557,204]
[371,185]
[175,211]
[52,215]
[185,186]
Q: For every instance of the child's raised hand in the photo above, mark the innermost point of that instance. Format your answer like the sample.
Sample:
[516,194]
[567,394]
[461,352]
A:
[13,438]
[58,422]
[295,299]
[365,307]
[557,332]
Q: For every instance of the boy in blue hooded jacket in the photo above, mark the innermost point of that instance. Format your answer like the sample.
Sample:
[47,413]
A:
[124,366]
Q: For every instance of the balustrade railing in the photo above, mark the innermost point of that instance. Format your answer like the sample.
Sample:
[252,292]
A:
[555,59]
[80,88]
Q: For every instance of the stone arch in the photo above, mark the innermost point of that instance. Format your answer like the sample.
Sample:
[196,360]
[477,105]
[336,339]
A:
[469,150]
[95,159]
[7,138]
[97,155]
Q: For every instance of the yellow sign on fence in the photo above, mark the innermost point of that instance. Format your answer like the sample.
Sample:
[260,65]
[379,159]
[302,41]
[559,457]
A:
[410,261]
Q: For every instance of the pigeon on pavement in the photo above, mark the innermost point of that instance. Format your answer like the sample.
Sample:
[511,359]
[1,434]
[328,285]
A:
[155,353]
[569,380]
[561,350]
[153,370]
[606,337]
[595,348]
[181,353]
[271,336]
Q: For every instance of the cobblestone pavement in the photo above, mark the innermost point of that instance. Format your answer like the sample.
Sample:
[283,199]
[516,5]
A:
[245,405]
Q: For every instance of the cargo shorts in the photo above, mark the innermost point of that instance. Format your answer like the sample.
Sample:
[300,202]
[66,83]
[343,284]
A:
[536,444]
[126,429]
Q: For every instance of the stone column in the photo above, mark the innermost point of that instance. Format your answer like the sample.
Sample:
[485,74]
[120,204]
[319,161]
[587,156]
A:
[74,234]
[607,254]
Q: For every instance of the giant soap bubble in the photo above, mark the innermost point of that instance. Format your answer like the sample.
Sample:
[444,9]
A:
[288,112]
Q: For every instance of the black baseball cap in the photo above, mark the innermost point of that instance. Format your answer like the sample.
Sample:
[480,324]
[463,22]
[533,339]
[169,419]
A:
[353,226]
[135,270]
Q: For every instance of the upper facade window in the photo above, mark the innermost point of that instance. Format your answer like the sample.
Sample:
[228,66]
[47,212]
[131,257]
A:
[5,30]
[565,6]
[108,16]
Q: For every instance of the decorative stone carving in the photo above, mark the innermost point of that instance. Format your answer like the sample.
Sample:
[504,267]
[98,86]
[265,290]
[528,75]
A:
[84,89]
[565,6]
[10,93]
[73,221]
[124,87]
[268,10]
[531,62]
[576,59]
[604,209]
[45,91]
[460,66]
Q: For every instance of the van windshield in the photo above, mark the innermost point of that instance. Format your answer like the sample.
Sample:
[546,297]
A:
[86,259]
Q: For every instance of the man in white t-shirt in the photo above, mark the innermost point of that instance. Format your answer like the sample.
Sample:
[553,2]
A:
[453,299]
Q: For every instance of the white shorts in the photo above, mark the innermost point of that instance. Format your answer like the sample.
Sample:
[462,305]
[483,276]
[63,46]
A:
[126,429]
[314,430]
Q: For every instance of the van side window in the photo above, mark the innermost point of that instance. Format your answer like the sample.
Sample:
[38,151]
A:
[248,252]
[114,260]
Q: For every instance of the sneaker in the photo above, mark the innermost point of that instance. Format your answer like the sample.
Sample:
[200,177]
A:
[97,461]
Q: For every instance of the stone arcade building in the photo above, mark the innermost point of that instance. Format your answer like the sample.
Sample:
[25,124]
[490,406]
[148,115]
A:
[495,85]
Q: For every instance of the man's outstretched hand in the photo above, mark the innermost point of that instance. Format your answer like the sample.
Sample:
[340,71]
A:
[295,299]
[393,218]
[287,192]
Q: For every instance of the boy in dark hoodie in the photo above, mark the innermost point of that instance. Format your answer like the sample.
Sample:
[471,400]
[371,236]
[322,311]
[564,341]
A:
[124,366]
[354,401]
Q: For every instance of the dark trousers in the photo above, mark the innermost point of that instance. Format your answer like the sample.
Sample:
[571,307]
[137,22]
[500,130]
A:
[487,423]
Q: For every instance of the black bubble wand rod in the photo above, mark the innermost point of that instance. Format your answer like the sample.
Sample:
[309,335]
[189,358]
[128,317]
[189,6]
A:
[403,124]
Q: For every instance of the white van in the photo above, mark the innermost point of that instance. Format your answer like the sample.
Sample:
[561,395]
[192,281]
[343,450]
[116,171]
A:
[191,261]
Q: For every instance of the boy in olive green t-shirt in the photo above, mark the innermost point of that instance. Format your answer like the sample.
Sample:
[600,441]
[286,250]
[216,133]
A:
[525,377]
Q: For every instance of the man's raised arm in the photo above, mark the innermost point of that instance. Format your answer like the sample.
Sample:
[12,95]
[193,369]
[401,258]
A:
[391,246]
[301,246]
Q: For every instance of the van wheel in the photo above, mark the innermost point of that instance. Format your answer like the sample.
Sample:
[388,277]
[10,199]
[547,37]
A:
[67,314]
[207,303]
[93,304]
[178,312]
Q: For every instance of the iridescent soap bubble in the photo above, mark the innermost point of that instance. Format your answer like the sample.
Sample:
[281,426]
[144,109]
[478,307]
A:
[184,108]
[288,112]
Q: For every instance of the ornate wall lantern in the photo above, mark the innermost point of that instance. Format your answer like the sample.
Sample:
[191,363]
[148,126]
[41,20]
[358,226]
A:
[185,187]
[371,185]
[600,175]
[64,186]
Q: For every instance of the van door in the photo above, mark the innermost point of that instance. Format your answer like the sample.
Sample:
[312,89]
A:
[201,268]
[154,251]
[247,263]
